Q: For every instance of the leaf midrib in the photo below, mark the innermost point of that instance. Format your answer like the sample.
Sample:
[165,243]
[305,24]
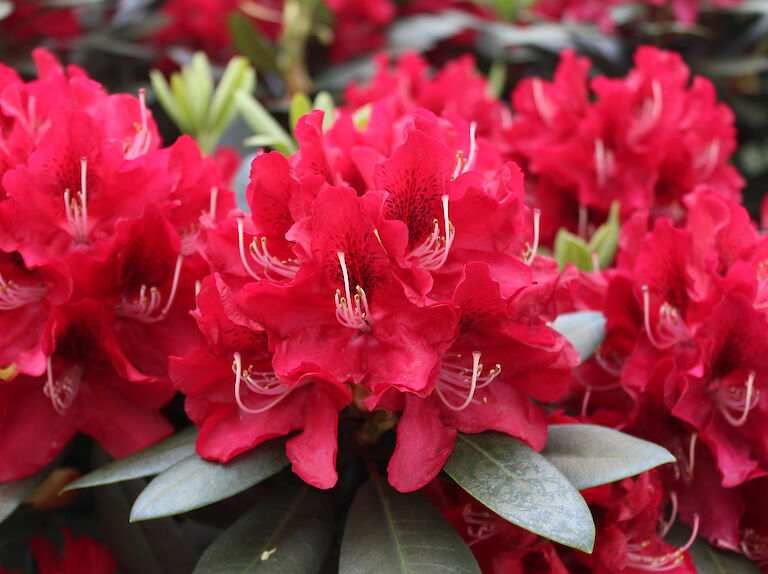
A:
[391,523]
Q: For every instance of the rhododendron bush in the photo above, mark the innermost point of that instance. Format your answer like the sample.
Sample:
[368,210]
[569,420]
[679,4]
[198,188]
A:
[289,304]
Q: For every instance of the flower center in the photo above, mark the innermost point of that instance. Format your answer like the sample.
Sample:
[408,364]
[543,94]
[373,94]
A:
[262,384]
[706,161]
[481,524]
[671,329]
[650,113]
[13,295]
[76,206]
[147,306]
[433,252]
[140,143]
[754,546]
[258,252]
[351,311]
[462,381]
[735,402]
[63,390]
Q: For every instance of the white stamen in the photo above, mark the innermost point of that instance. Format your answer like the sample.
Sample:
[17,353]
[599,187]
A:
[285,268]
[541,102]
[604,163]
[266,384]
[63,390]
[141,142]
[650,113]
[707,162]
[529,254]
[76,208]
[481,524]
[672,515]
[460,380]
[730,398]
[668,315]
[351,311]
[145,307]
[464,165]
[214,200]
[664,562]
[433,252]
[13,296]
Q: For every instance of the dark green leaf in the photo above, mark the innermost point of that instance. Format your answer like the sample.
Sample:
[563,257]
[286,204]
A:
[288,532]
[584,329]
[152,460]
[250,43]
[523,487]
[392,533]
[193,482]
[13,493]
[590,455]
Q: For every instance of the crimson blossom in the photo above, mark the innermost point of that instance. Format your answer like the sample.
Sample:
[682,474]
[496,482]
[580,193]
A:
[685,360]
[388,268]
[645,140]
[97,264]
[82,555]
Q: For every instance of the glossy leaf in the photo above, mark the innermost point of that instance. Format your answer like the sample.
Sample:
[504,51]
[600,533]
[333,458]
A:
[13,493]
[523,487]
[193,482]
[584,329]
[289,531]
[591,455]
[150,461]
[394,533]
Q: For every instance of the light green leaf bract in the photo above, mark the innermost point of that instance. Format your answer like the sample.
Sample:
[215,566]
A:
[193,482]
[585,330]
[523,487]
[288,532]
[570,248]
[591,455]
[392,533]
[152,460]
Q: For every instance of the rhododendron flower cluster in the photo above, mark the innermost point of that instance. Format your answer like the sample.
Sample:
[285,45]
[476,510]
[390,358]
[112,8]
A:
[97,264]
[645,140]
[683,362]
[378,269]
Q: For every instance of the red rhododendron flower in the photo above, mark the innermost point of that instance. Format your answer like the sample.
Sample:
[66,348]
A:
[82,555]
[646,141]
[98,264]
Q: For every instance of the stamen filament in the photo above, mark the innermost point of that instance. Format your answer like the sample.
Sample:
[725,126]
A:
[647,321]
[13,296]
[143,309]
[455,379]
[241,247]
[76,208]
[237,367]
[142,140]
[352,316]
[433,253]
[530,250]
[724,404]
[63,390]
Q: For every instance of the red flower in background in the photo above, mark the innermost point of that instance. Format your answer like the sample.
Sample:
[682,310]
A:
[82,555]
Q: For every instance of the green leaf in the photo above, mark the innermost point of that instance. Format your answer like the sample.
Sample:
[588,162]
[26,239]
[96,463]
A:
[324,101]
[167,100]
[193,482]
[393,533]
[179,88]
[497,78]
[198,79]
[591,455]
[605,240]
[238,76]
[584,329]
[361,116]
[570,248]
[523,487]
[152,460]
[300,106]
[250,43]
[287,532]
[13,493]
[262,122]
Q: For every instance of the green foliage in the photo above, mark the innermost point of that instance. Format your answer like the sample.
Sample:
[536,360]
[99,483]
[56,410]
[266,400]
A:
[287,532]
[147,462]
[194,482]
[585,330]
[392,533]
[523,487]
[570,248]
[192,103]
[268,132]
[591,455]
